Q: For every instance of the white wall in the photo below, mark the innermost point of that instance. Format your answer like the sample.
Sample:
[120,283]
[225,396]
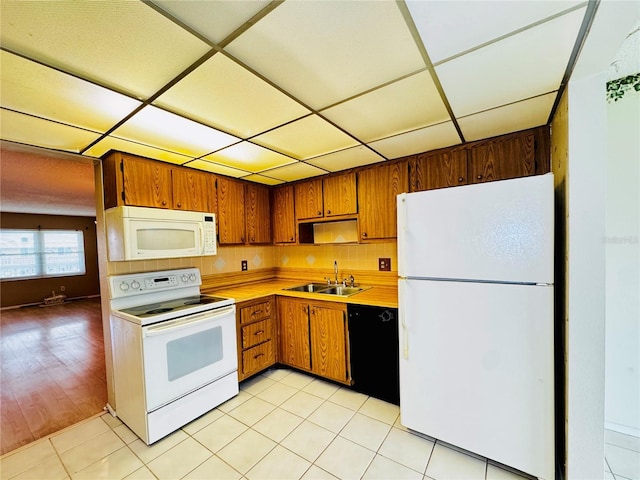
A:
[622,361]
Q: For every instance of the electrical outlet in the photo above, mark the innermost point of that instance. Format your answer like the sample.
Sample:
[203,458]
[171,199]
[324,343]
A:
[244,265]
[63,288]
[384,264]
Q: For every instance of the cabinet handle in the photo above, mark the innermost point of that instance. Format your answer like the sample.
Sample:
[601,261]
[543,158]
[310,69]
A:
[291,239]
[258,355]
[364,234]
[328,212]
[460,179]
[255,312]
[319,213]
[259,332]
[479,177]
[253,239]
[179,205]
[164,202]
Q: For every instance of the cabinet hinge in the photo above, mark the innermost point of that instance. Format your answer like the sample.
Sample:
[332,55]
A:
[121,166]
[122,195]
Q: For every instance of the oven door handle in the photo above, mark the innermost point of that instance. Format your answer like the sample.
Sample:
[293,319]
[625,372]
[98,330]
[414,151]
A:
[186,322]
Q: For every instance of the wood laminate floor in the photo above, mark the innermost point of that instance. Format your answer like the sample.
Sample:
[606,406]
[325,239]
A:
[52,369]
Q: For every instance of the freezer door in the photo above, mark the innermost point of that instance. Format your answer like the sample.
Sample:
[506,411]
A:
[476,369]
[496,231]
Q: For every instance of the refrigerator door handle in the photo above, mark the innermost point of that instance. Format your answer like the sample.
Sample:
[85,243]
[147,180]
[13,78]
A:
[404,334]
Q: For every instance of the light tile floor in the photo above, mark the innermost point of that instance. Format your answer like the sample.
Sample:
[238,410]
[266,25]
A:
[622,456]
[282,425]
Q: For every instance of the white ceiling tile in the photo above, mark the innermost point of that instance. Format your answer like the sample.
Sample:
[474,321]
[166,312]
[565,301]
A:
[408,104]
[293,172]
[521,66]
[216,168]
[257,178]
[510,118]
[214,20]
[305,138]
[418,141]
[111,143]
[29,87]
[324,52]
[168,131]
[348,158]
[249,157]
[17,127]
[449,28]
[224,95]
[125,45]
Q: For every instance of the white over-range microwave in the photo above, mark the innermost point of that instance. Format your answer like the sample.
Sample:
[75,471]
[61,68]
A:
[140,233]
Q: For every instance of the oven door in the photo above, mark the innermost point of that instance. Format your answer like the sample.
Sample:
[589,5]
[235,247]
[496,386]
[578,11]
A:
[187,353]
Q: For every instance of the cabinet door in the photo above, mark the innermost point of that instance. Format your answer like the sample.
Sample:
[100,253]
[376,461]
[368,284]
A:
[377,191]
[439,170]
[309,199]
[328,342]
[510,157]
[258,214]
[231,226]
[146,183]
[340,195]
[284,220]
[293,325]
[191,190]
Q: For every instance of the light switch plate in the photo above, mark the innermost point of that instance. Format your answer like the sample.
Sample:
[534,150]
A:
[384,264]
[244,265]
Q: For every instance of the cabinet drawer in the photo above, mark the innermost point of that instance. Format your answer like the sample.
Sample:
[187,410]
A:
[259,311]
[256,333]
[257,358]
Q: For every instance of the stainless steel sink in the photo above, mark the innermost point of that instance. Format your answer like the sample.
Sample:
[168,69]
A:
[309,287]
[342,291]
[323,288]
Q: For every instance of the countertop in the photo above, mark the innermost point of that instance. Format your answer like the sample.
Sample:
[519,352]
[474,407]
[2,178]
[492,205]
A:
[379,296]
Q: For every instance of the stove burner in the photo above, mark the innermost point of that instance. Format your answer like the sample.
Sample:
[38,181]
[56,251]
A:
[158,310]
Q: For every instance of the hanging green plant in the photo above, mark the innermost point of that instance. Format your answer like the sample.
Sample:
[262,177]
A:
[616,89]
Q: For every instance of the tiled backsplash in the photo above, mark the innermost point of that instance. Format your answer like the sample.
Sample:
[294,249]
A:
[315,257]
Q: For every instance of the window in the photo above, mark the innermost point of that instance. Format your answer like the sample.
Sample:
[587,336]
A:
[41,253]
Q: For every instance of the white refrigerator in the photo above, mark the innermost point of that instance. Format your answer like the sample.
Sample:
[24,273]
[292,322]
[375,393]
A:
[476,319]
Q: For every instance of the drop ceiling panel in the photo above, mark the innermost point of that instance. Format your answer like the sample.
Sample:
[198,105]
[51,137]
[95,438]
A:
[224,95]
[324,52]
[408,104]
[308,137]
[521,66]
[21,128]
[165,130]
[213,20]
[510,118]
[216,168]
[124,45]
[29,87]
[295,171]
[112,143]
[348,158]
[448,28]
[418,141]
[262,179]
[249,157]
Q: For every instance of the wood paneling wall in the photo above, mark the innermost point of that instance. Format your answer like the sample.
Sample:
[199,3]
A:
[22,292]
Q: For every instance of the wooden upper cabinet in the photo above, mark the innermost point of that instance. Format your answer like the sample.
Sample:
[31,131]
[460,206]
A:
[377,190]
[193,190]
[231,211]
[284,219]
[340,197]
[308,199]
[146,183]
[507,157]
[438,170]
[258,214]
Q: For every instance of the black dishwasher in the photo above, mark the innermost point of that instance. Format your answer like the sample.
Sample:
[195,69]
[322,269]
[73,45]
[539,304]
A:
[373,339]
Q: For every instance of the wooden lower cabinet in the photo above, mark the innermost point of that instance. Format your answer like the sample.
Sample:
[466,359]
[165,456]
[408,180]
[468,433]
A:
[313,337]
[255,336]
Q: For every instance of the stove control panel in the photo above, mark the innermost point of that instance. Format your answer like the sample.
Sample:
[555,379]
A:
[137,283]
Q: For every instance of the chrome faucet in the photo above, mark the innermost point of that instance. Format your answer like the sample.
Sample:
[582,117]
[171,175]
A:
[335,270]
